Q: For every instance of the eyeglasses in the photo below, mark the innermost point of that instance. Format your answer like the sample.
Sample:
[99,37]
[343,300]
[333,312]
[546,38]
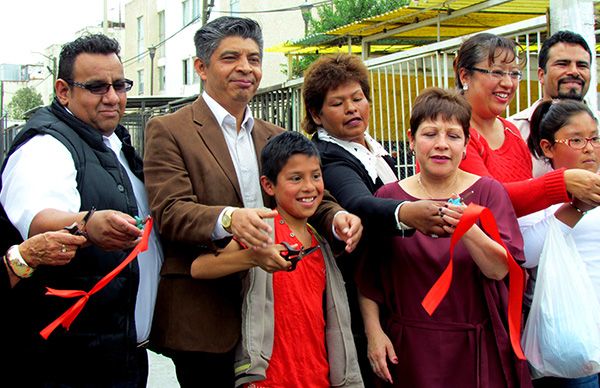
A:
[514,75]
[579,143]
[101,88]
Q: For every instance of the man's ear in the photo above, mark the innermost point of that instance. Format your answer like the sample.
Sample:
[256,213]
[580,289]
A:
[267,186]
[546,147]
[63,91]
[200,68]
[541,74]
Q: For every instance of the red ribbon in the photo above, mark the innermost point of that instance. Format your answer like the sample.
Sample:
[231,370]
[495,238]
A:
[69,316]
[515,273]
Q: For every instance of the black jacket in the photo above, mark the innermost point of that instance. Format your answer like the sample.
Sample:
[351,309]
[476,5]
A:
[349,182]
[101,342]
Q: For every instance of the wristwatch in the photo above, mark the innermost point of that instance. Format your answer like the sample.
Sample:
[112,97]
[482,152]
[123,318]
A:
[17,264]
[226,219]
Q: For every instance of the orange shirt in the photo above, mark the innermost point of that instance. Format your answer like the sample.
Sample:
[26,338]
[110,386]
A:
[299,357]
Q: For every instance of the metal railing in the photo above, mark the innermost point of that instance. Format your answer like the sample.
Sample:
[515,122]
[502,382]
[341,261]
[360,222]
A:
[397,79]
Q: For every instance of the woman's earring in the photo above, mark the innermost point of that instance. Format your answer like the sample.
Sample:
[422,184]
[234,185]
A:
[465,87]
[412,152]
[464,155]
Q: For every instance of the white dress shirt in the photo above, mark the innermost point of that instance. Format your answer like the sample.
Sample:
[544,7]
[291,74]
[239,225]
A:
[371,158]
[243,154]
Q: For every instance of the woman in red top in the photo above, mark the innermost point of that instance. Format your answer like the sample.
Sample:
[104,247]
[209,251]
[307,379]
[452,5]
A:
[488,71]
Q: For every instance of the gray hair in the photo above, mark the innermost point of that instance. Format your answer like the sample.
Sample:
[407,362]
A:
[209,36]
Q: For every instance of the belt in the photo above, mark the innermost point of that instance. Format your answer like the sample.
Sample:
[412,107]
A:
[143,344]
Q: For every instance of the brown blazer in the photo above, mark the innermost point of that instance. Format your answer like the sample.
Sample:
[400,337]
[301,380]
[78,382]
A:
[190,178]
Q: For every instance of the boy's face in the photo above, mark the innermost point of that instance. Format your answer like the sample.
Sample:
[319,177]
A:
[299,187]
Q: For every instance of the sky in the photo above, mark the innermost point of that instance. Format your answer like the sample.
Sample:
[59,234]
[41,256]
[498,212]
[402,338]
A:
[29,26]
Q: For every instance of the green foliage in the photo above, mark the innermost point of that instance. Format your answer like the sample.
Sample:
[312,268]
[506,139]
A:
[299,64]
[24,99]
[341,12]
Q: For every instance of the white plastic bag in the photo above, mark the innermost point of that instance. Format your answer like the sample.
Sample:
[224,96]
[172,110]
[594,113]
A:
[562,333]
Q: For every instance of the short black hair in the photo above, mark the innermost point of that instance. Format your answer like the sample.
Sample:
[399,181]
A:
[548,118]
[209,36]
[93,44]
[280,149]
[561,37]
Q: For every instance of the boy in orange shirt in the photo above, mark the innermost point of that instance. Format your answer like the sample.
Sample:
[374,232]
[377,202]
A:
[295,315]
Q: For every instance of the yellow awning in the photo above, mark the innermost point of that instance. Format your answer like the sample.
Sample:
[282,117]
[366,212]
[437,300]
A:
[420,23]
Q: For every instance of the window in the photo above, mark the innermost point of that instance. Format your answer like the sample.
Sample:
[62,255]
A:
[140,82]
[189,73]
[195,9]
[234,7]
[161,34]
[161,78]
[141,47]
[191,10]
[186,77]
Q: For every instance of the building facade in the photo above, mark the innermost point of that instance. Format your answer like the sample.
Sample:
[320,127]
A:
[158,51]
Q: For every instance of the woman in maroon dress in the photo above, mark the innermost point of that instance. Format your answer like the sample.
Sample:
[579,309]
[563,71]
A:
[465,342]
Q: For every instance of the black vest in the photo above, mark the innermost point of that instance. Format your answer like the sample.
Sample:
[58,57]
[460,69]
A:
[105,329]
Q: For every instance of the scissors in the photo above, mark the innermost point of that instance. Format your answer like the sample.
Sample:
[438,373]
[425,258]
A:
[295,255]
[77,229]
[459,200]
[140,222]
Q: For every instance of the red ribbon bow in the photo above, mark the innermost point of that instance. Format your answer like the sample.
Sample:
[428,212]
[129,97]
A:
[515,273]
[69,316]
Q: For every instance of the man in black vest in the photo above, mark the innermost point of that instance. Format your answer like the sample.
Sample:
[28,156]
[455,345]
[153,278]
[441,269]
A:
[71,158]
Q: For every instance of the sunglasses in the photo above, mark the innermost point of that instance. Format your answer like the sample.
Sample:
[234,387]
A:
[101,88]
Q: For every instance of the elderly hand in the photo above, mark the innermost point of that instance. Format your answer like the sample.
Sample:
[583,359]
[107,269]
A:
[247,225]
[50,248]
[424,215]
[349,229]
[584,185]
[112,230]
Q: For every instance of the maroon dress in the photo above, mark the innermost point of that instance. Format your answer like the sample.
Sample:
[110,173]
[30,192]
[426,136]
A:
[465,342]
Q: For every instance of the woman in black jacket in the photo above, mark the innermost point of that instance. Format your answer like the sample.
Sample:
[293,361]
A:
[336,97]
[354,165]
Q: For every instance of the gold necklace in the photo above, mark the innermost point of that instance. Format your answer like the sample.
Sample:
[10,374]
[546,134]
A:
[422,186]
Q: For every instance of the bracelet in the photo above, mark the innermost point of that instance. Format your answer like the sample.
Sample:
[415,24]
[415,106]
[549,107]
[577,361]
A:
[399,224]
[17,264]
[582,212]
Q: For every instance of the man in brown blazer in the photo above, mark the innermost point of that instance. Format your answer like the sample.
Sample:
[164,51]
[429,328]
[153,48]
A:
[202,176]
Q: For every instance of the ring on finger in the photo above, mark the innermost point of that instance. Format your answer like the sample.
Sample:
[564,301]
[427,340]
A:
[433,235]
[64,248]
